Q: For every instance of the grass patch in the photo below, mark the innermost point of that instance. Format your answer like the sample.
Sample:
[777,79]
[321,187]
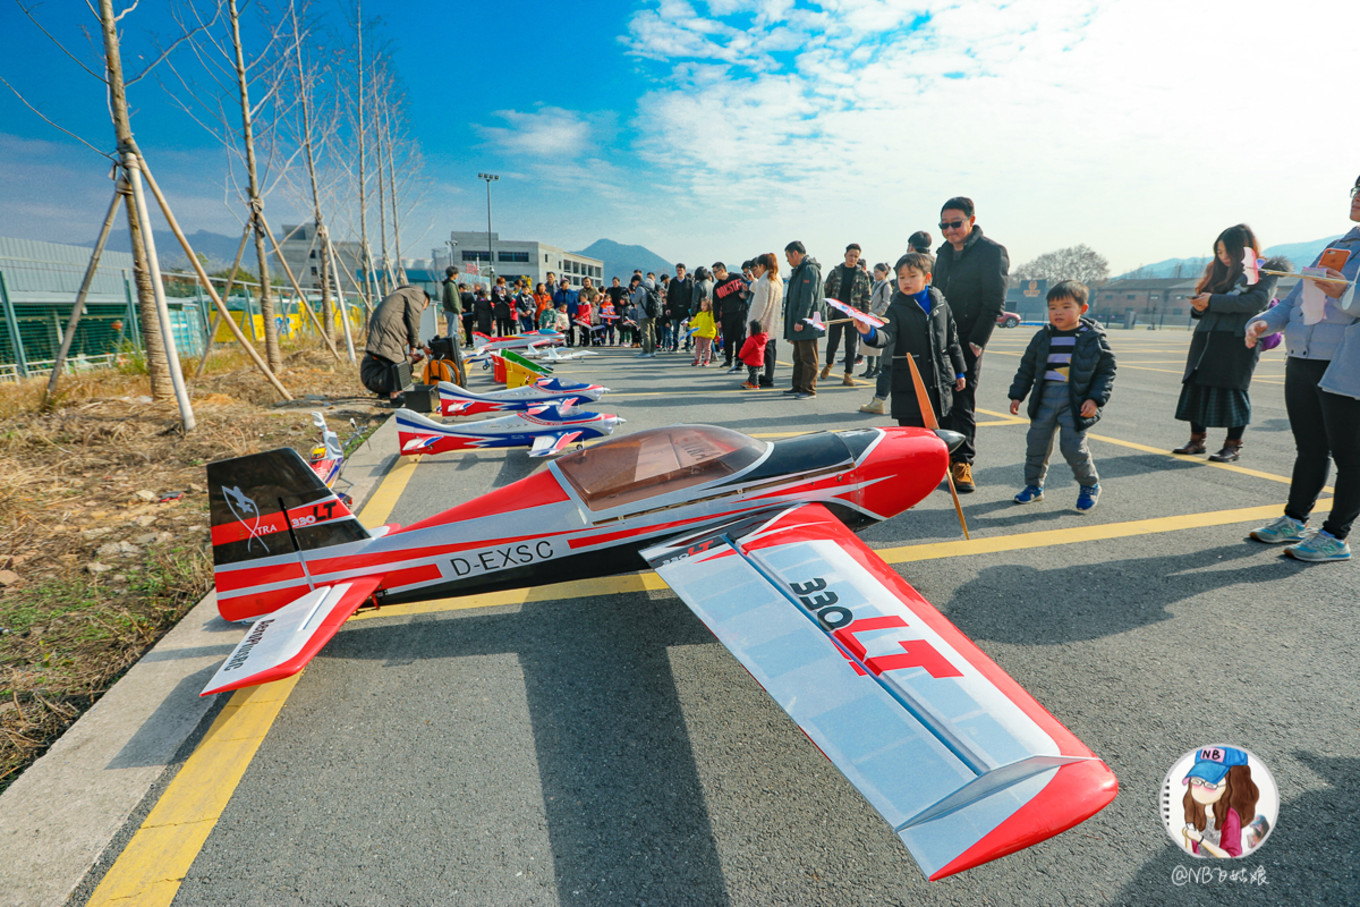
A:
[98,558]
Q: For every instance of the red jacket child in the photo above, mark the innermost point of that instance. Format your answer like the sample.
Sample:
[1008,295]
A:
[753,350]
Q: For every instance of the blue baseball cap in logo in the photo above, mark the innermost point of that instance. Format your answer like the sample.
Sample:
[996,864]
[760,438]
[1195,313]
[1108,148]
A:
[1212,763]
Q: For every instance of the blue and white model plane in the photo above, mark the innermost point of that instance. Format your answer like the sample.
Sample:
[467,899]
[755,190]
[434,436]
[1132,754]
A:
[546,430]
[459,401]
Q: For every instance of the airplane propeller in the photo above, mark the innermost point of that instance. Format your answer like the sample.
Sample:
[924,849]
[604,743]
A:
[928,414]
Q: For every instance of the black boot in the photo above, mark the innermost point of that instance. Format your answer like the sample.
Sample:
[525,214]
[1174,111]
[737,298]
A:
[1232,449]
[1194,446]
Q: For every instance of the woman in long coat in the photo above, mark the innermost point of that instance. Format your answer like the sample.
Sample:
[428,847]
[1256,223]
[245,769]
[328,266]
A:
[1219,366]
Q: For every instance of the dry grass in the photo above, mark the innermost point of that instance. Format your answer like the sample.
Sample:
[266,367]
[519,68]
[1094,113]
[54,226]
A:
[92,573]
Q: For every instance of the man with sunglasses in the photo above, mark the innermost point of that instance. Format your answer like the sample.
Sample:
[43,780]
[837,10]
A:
[971,271]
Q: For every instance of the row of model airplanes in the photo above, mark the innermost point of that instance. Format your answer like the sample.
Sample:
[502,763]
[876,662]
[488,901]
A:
[756,537]
[545,414]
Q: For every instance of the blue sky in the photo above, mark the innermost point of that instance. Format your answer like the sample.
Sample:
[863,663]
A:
[718,130]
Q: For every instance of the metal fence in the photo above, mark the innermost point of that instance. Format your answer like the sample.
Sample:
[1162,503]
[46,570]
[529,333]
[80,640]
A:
[37,296]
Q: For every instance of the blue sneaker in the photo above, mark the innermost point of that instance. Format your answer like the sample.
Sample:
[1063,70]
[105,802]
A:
[1029,494]
[1087,498]
[1282,530]
[1320,546]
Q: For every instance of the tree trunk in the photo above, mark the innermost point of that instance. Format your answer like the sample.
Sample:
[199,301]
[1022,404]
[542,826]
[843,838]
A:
[153,344]
[366,261]
[392,196]
[388,285]
[254,202]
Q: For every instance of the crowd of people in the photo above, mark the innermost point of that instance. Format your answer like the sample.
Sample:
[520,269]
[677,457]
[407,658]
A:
[934,317]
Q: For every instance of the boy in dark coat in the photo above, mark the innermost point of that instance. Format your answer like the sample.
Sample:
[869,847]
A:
[1070,368]
[919,324]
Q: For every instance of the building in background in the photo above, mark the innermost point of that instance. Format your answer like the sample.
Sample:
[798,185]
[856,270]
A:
[1154,301]
[303,254]
[514,258]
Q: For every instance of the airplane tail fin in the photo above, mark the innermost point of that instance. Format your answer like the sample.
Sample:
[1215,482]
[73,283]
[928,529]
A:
[264,505]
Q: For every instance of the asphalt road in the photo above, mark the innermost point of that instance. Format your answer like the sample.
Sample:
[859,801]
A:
[595,745]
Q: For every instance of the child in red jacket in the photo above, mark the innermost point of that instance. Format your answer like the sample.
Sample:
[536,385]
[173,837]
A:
[753,354]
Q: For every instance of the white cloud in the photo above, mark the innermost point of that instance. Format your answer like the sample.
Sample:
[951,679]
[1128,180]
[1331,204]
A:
[544,132]
[1139,128]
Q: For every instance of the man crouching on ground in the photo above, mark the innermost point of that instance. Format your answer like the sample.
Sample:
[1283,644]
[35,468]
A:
[393,335]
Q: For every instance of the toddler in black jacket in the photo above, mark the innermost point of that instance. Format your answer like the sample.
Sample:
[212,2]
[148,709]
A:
[1070,367]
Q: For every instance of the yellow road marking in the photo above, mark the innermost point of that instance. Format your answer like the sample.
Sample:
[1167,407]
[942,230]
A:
[649,582]
[1094,532]
[151,867]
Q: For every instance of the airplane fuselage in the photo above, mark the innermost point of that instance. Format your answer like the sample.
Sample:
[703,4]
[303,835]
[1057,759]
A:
[576,520]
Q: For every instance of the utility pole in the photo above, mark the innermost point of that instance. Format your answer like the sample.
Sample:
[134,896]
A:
[491,252]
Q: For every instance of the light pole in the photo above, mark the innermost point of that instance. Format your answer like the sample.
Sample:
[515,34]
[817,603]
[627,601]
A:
[452,244]
[491,252]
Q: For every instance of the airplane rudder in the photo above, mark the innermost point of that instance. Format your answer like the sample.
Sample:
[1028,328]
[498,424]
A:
[273,503]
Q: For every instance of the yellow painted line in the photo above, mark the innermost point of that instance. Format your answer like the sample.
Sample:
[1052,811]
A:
[1002,418]
[151,867]
[1230,467]
[1134,445]
[633,583]
[1088,533]
[379,506]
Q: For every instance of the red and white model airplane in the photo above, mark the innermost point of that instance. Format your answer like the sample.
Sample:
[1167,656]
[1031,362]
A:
[756,538]
[485,343]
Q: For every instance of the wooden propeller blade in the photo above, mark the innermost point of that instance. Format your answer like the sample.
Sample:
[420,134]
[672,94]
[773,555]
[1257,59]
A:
[928,415]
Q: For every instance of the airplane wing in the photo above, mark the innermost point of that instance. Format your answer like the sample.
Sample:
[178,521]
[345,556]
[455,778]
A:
[963,764]
[281,643]
[547,445]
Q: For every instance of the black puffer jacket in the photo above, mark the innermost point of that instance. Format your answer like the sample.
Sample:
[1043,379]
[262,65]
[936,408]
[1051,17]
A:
[974,284]
[931,338]
[1091,376]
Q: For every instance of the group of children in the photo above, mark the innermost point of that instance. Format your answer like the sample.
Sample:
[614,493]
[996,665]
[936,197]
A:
[752,353]
[1067,371]
[595,325]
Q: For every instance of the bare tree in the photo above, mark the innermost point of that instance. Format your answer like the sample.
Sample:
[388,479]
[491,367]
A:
[1072,263]
[308,75]
[130,168]
[361,136]
[240,91]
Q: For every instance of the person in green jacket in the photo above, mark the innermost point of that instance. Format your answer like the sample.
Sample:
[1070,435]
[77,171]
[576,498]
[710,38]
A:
[804,299]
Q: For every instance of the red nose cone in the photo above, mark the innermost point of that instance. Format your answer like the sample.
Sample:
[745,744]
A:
[904,467]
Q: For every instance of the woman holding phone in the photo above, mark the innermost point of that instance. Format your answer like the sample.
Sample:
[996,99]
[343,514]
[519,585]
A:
[1321,323]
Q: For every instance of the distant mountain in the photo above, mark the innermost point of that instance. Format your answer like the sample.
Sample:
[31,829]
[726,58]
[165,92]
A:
[220,249]
[620,260]
[1169,267]
[1300,254]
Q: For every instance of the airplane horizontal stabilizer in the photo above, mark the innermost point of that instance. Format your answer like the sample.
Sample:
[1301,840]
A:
[547,445]
[963,763]
[281,643]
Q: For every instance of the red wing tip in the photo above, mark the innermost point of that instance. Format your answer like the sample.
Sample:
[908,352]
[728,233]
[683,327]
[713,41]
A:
[1076,793]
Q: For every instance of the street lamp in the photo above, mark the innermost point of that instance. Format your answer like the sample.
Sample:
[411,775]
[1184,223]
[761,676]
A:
[491,253]
[452,244]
